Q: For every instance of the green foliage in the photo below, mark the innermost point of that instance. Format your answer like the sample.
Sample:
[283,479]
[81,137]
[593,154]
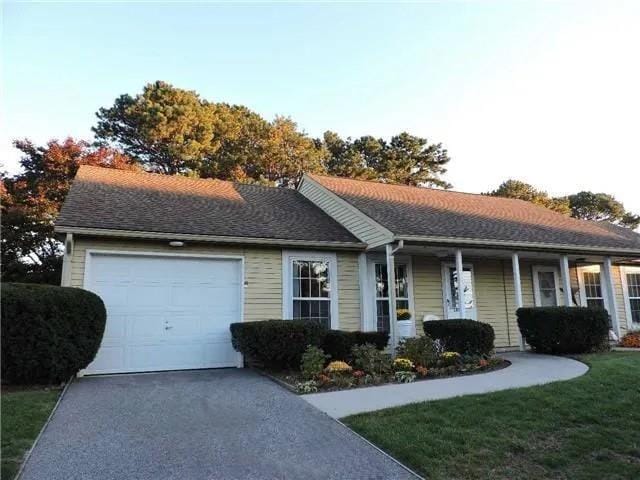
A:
[421,351]
[405,376]
[313,360]
[583,205]
[276,344]
[309,386]
[524,191]
[601,207]
[48,333]
[338,343]
[172,130]
[564,329]
[371,360]
[462,336]
[405,159]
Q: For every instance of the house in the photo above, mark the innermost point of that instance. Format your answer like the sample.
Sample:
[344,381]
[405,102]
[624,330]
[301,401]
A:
[176,260]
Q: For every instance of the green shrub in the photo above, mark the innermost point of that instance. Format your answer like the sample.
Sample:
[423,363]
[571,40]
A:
[421,351]
[462,336]
[276,344]
[48,332]
[371,360]
[313,360]
[564,329]
[338,343]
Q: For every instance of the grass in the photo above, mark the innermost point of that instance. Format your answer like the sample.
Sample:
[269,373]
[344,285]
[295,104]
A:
[24,412]
[586,428]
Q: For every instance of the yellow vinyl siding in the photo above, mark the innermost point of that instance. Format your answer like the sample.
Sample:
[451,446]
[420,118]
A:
[348,291]
[357,223]
[427,288]
[262,274]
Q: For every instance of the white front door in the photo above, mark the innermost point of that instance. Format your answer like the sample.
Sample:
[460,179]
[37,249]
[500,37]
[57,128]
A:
[450,282]
[546,286]
[165,313]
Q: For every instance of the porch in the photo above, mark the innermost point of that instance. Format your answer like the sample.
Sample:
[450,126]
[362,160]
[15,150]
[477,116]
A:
[495,283]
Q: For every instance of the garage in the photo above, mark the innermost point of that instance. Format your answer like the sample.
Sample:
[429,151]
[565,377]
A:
[165,312]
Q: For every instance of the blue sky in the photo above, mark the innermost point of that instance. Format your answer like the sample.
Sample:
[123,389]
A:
[545,92]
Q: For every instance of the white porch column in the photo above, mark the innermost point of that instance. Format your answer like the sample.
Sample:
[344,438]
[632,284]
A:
[607,270]
[391,283]
[460,275]
[566,280]
[517,287]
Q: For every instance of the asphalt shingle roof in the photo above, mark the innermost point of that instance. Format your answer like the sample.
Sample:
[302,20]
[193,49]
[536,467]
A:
[413,211]
[104,198]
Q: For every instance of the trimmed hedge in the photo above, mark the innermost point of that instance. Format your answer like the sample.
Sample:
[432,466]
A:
[48,332]
[466,337]
[564,329]
[338,343]
[277,344]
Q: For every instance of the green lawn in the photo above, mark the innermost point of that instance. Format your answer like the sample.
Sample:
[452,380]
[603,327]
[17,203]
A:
[587,428]
[23,414]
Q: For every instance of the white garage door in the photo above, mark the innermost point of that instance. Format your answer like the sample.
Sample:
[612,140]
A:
[165,313]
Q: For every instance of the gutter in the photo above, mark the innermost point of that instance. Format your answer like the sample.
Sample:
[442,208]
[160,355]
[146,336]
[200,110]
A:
[569,248]
[103,232]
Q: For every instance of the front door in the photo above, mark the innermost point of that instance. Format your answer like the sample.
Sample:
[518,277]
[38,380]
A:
[450,281]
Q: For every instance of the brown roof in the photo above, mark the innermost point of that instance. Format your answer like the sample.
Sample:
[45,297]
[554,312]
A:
[102,198]
[413,211]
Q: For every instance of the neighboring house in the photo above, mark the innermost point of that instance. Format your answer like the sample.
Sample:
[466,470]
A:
[176,260]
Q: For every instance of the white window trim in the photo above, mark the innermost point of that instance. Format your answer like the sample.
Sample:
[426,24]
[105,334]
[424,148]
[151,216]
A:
[288,257]
[445,281]
[370,322]
[631,326]
[536,283]
[583,291]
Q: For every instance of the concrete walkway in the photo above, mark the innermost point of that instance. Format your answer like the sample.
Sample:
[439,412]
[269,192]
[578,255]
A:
[526,369]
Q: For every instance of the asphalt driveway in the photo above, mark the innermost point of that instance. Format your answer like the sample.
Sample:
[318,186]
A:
[208,424]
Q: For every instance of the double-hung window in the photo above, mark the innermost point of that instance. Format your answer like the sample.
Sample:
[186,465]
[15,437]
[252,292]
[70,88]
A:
[309,288]
[631,291]
[594,296]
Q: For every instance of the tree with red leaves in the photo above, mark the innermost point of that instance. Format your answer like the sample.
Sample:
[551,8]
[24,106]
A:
[32,199]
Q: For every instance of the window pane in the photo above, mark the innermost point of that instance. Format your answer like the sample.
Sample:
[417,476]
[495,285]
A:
[467,285]
[313,310]
[635,309]
[633,284]
[381,281]
[595,302]
[382,314]
[304,269]
[546,280]
[402,304]
[401,281]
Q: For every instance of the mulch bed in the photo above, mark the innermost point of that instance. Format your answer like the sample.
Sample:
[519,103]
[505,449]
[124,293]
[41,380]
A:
[289,379]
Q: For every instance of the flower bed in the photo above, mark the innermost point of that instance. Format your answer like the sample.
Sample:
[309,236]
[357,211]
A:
[416,359]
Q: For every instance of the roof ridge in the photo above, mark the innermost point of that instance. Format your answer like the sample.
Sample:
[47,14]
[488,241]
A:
[180,177]
[435,189]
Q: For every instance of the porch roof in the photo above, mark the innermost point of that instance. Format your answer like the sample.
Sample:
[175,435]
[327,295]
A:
[434,215]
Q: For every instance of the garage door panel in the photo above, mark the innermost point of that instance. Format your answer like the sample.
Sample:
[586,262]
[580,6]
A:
[165,313]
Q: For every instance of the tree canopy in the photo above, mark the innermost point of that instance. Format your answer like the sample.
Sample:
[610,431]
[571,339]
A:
[524,191]
[31,202]
[170,130]
[584,205]
[405,159]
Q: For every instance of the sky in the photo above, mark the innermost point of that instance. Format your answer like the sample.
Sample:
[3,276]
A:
[546,92]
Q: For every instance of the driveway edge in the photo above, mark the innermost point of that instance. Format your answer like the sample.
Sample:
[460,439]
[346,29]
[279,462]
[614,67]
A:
[44,427]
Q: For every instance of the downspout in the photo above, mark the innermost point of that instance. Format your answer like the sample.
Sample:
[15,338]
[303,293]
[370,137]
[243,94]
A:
[391,286]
